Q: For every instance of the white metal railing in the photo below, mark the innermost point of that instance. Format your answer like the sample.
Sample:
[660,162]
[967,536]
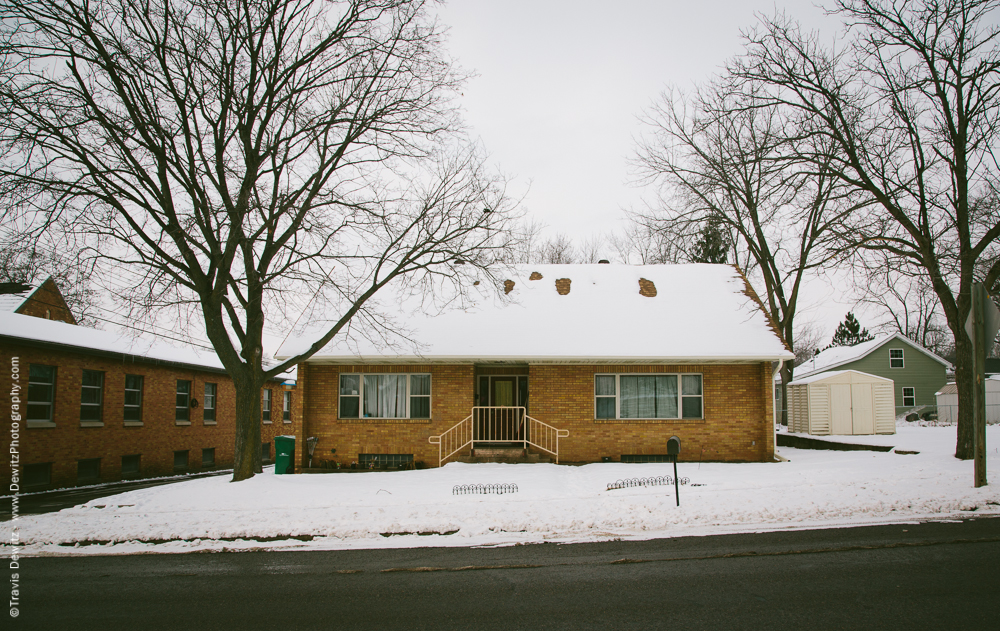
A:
[498,424]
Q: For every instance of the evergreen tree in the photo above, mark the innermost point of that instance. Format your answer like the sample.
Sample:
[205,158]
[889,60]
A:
[850,333]
[712,245]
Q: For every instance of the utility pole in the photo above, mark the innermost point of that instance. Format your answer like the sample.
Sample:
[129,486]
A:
[982,326]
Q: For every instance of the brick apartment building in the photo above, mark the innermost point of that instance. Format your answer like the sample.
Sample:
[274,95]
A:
[96,406]
[579,363]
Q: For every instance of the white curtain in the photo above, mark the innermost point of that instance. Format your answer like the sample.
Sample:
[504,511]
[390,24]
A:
[648,396]
[385,396]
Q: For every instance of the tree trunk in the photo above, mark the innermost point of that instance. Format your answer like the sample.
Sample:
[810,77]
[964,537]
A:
[786,378]
[964,382]
[246,460]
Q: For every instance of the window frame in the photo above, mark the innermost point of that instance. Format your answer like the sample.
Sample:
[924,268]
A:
[286,406]
[265,406]
[902,363]
[209,404]
[86,462]
[186,420]
[126,406]
[88,406]
[138,466]
[50,404]
[360,396]
[680,397]
[187,460]
[912,397]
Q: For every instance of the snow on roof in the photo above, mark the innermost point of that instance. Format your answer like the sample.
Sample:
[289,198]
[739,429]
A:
[29,329]
[694,312]
[11,302]
[840,355]
[833,373]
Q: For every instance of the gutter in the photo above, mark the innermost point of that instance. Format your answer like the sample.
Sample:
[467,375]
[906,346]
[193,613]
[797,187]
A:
[774,412]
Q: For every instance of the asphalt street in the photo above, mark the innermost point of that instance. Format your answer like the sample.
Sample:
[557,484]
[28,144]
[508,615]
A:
[910,576]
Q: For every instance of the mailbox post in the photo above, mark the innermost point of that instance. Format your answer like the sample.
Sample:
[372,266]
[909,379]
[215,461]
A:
[674,450]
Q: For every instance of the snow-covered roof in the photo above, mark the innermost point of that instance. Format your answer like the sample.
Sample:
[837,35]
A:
[832,374]
[695,312]
[28,329]
[840,355]
[9,303]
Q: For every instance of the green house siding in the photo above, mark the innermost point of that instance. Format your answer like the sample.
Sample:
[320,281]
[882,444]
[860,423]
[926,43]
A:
[925,375]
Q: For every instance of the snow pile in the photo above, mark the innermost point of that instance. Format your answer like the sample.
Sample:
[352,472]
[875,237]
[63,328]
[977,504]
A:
[553,503]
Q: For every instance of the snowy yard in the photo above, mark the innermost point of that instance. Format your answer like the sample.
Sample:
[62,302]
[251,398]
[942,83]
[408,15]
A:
[553,503]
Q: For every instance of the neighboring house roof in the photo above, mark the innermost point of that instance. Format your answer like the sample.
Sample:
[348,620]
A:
[992,383]
[684,313]
[13,295]
[838,356]
[834,373]
[21,328]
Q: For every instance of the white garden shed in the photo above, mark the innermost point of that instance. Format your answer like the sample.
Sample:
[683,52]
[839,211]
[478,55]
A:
[841,402]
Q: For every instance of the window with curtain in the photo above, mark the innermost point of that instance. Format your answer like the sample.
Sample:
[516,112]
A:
[647,396]
[385,396]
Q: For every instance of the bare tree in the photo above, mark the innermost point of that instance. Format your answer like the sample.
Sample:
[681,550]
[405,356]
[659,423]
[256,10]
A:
[719,161]
[556,250]
[808,339]
[908,301]
[911,104]
[637,245]
[247,158]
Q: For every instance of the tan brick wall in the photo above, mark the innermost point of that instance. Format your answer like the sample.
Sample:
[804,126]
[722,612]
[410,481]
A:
[737,424]
[155,441]
[452,390]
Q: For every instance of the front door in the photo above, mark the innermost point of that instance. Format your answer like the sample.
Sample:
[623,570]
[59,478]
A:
[503,420]
[502,391]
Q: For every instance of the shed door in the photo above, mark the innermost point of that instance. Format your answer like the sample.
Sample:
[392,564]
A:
[864,411]
[840,409]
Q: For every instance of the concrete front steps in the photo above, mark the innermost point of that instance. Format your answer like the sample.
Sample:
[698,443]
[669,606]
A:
[502,453]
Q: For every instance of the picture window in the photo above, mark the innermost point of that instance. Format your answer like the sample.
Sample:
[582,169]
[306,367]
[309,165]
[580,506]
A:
[648,397]
[386,396]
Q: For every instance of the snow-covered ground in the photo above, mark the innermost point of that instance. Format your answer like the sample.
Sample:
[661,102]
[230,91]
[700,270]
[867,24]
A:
[552,503]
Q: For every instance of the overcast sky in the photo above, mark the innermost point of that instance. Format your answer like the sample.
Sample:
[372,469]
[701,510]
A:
[560,84]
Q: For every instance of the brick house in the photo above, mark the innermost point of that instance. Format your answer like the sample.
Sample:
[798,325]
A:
[43,300]
[95,406]
[578,363]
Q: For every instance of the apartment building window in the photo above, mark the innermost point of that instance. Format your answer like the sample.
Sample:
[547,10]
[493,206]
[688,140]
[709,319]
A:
[41,394]
[286,407]
[265,452]
[895,358]
[183,415]
[130,466]
[385,396]
[208,458]
[92,397]
[37,475]
[909,397]
[209,403]
[88,470]
[133,399]
[180,461]
[648,396]
[265,406]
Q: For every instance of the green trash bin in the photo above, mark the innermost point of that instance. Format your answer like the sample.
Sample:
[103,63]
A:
[284,454]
